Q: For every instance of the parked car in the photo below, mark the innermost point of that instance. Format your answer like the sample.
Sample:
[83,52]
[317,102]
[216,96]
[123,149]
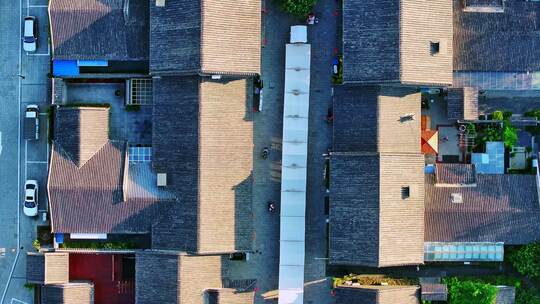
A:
[31,122]
[30,207]
[257,94]
[30,34]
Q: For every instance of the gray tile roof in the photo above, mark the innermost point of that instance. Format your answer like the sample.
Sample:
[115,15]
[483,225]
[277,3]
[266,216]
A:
[376,146]
[434,292]
[171,277]
[69,293]
[377,295]
[369,119]
[99,29]
[175,37]
[223,37]
[505,295]
[389,41]
[363,226]
[504,42]
[47,268]
[501,208]
[455,174]
[203,140]
[86,196]
[463,103]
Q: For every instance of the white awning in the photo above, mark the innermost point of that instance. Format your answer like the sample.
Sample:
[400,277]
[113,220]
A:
[294,174]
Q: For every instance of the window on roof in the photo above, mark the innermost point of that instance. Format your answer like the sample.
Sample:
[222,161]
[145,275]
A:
[405,192]
[434,47]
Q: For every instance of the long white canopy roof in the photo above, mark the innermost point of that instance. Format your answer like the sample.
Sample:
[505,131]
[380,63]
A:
[294,173]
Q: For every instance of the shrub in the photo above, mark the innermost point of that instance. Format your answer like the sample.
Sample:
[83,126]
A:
[470,292]
[36,244]
[300,8]
[526,296]
[29,286]
[526,259]
[498,115]
[510,136]
[133,108]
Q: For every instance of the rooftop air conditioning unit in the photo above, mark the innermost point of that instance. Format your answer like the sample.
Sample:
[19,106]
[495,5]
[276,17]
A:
[162,179]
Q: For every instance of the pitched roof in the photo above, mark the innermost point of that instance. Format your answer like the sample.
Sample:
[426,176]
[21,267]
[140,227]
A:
[206,36]
[501,208]
[455,174]
[47,268]
[99,29]
[505,295]
[182,278]
[503,42]
[389,41]
[75,131]
[463,103]
[69,293]
[434,291]
[377,294]
[366,198]
[377,146]
[208,159]
[86,195]
[371,119]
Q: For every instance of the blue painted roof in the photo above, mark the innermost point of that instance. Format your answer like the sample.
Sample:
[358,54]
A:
[65,68]
[491,162]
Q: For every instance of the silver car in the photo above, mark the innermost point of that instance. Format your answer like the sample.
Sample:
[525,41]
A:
[30,34]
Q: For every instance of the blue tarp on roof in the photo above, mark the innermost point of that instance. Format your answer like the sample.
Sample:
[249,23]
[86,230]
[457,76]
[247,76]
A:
[491,162]
[65,68]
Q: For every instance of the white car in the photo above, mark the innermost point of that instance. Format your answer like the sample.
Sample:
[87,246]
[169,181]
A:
[30,207]
[30,34]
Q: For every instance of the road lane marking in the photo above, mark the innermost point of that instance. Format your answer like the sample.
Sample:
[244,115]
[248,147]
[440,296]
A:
[0,143]
[13,301]
[37,162]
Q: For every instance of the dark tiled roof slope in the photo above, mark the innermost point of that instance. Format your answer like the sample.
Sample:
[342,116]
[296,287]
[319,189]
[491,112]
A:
[354,209]
[463,103]
[175,37]
[501,208]
[390,41]
[70,293]
[455,174]
[504,42]
[175,148]
[99,29]
[371,40]
[354,132]
[170,277]
[377,295]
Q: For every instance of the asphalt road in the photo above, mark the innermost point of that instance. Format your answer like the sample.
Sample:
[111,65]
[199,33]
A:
[23,80]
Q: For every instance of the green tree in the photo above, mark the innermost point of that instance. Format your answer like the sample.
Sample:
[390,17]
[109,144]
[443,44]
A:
[510,136]
[526,259]
[300,8]
[470,292]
